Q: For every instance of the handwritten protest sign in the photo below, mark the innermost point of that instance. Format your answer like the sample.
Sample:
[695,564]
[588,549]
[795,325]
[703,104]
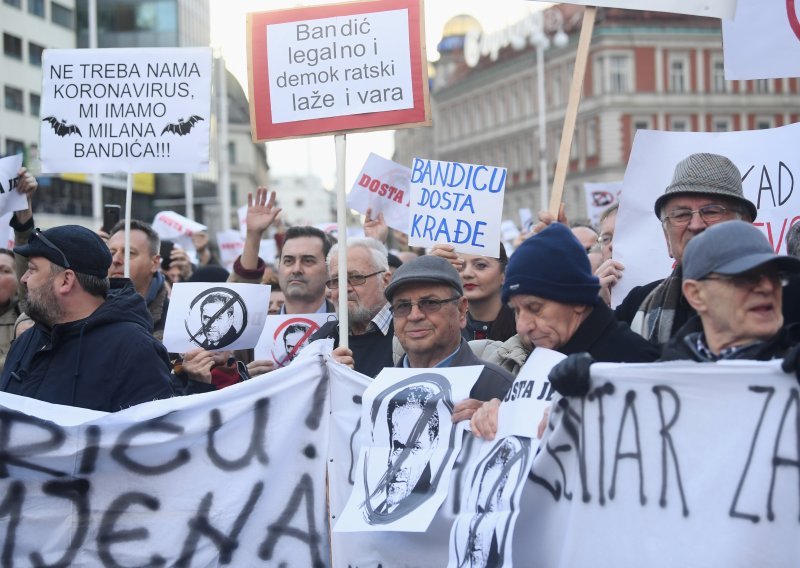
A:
[769,169]
[126,110]
[10,199]
[714,8]
[215,317]
[179,229]
[776,25]
[231,245]
[285,336]
[382,186]
[459,204]
[323,69]
[599,197]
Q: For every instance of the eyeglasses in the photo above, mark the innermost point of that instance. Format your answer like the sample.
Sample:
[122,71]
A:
[708,213]
[353,280]
[751,279]
[427,306]
[37,234]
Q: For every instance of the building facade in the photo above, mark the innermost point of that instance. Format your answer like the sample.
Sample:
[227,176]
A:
[646,70]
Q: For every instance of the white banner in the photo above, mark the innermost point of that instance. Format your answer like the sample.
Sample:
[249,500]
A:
[235,477]
[383,186]
[763,40]
[770,168]
[11,200]
[457,204]
[714,8]
[126,110]
[599,197]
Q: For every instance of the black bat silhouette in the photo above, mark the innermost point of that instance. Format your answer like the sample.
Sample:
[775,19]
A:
[182,126]
[62,128]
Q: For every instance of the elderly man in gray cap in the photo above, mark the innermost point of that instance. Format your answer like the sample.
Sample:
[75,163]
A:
[706,189]
[429,310]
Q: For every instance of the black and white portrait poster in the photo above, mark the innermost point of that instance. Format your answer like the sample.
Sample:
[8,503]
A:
[285,335]
[404,466]
[11,200]
[481,536]
[215,317]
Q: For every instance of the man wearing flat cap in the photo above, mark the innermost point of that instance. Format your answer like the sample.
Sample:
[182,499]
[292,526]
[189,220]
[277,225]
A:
[429,310]
[91,347]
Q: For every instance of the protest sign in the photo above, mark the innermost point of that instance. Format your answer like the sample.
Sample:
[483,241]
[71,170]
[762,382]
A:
[382,186]
[776,53]
[526,219]
[403,470]
[284,336]
[231,245]
[599,197]
[10,199]
[769,168]
[178,229]
[338,67]
[126,110]
[204,480]
[457,204]
[215,317]
[10,237]
[713,8]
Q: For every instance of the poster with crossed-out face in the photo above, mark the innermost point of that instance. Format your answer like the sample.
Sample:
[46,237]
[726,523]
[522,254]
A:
[285,335]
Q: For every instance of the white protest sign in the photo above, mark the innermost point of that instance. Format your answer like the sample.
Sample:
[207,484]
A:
[171,225]
[525,219]
[404,467]
[337,67]
[457,204]
[769,167]
[11,200]
[241,213]
[234,477]
[284,336]
[670,464]
[126,110]
[713,8]
[268,250]
[383,186]
[10,240]
[215,316]
[599,197]
[231,245]
[763,40]
[508,230]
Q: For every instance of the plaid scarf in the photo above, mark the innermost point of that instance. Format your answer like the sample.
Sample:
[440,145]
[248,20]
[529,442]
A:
[655,317]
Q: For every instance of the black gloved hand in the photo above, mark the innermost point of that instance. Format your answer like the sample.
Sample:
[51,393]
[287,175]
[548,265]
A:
[570,377]
[791,361]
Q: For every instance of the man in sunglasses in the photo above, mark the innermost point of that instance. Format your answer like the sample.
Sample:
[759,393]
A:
[429,310]
[91,347]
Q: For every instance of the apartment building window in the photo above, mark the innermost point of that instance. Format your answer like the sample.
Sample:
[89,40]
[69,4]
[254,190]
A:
[62,15]
[619,74]
[762,86]
[15,3]
[36,7]
[35,103]
[764,122]
[718,76]
[35,53]
[721,124]
[597,74]
[679,124]
[12,46]
[679,73]
[14,147]
[13,98]
[591,138]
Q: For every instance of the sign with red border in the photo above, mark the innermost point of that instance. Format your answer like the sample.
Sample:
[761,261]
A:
[337,68]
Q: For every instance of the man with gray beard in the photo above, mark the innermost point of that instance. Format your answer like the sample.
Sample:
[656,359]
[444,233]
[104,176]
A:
[370,320]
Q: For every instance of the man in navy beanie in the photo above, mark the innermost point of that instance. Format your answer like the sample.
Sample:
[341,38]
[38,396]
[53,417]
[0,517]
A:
[91,347]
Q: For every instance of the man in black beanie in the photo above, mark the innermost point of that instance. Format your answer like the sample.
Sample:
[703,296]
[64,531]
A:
[90,347]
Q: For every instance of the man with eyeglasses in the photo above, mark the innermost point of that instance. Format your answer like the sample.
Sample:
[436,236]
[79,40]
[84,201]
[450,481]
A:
[706,189]
[91,347]
[429,310]
[369,317]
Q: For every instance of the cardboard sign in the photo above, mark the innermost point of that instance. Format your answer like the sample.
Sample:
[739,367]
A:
[215,317]
[713,8]
[126,110]
[599,197]
[458,204]
[339,67]
[285,336]
[10,199]
[770,171]
[763,40]
[383,186]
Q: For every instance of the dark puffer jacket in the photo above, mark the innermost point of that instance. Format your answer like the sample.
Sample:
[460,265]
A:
[107,361]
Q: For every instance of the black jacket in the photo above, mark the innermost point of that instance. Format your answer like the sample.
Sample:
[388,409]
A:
[608,340]
[107,361]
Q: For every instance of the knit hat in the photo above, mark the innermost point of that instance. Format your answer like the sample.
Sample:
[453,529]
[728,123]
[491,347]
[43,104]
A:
[428,268]
[553,265]
[730,248]
[707,174]
[70,246]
